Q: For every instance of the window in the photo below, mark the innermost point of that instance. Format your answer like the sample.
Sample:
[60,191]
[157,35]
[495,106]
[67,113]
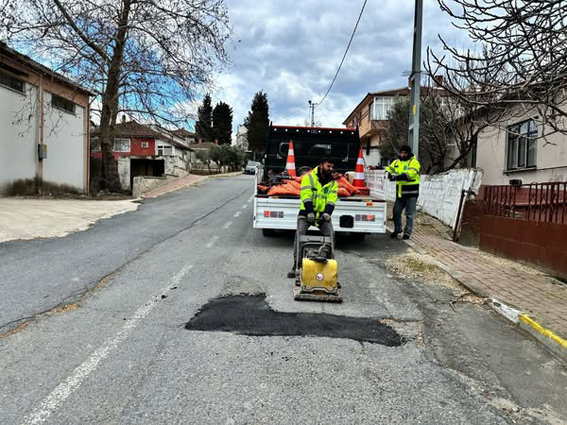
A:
[163,150]
[380,108]
[121,145]
[62,103]
[11,82]
[95,145]
[522,145]
[145,145]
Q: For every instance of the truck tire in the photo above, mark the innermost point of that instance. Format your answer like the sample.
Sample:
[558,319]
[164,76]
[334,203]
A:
[268,232]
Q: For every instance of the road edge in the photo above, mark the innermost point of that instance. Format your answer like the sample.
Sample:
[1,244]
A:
[522,320]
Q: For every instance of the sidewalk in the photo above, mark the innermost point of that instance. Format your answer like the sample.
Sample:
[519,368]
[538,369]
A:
[184,182]
[540,299]
[181,183]
[30,218]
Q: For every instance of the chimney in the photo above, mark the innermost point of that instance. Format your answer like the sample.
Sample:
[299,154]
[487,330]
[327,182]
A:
[200,140]
[438,81]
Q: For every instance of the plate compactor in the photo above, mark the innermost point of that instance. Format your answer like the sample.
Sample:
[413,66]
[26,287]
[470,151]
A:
[316,278]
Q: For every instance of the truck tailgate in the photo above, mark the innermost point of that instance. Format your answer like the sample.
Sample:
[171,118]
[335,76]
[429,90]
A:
[357,215]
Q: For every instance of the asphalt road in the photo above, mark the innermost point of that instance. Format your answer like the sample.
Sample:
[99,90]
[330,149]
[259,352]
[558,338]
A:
[155,331]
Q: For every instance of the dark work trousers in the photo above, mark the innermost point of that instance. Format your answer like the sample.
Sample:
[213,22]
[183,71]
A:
[410,205]
[326,228]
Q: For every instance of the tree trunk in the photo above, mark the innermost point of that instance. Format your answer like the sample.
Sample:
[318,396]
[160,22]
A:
[110,103]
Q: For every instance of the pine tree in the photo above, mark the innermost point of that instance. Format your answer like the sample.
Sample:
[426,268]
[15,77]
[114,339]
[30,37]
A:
[258,122]
[222,123]
[203,127]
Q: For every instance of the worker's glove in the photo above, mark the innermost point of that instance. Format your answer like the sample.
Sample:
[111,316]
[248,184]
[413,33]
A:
[390,177]
[326,217]
[311,218]
[393,178]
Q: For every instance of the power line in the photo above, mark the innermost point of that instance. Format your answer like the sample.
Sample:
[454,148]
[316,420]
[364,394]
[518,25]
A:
[344,56]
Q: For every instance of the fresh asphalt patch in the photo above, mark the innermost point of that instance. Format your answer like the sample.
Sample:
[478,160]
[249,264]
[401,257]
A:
[251,315]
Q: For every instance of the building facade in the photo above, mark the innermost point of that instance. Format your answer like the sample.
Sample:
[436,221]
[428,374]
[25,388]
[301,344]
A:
[371,117]
[517,150]
[142,150]
[44,124]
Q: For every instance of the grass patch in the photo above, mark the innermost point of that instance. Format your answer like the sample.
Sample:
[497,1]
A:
[37,187]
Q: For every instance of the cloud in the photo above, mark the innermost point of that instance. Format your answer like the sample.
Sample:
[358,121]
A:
[291,49]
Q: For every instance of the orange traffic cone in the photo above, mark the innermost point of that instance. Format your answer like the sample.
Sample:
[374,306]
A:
[290,166]
[359,172]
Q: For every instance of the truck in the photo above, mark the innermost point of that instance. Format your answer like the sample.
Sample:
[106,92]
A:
[358,215]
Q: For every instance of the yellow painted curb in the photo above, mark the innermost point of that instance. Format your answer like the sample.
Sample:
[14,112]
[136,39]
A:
[529,321]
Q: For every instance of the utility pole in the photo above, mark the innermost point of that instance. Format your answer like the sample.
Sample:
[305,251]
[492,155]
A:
[415,79]
[312,107]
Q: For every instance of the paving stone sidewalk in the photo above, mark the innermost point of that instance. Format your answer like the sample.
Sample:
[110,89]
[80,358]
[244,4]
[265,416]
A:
[531,291]
[174,185]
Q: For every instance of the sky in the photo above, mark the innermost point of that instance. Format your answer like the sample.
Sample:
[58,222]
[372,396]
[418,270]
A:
[291,49]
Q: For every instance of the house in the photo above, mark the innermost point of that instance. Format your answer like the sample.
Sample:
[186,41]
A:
[143,150]
[189,137]
[44,124]
[370,115]
[516,150]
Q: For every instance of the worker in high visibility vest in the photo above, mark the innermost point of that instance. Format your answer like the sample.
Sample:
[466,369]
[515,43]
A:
[405,172]
[319,194]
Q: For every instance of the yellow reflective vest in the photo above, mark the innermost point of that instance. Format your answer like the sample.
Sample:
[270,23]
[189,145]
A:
[410,169]
[320,196]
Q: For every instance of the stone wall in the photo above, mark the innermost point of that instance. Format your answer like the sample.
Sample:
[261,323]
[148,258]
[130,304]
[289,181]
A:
[143,184]
[440,194]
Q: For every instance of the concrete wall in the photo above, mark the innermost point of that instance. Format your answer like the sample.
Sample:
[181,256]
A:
[440,194]
[64,134]
[18,136]
[143,184]
[491,155]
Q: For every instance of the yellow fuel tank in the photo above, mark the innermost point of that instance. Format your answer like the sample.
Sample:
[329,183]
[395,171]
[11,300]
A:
[319,275]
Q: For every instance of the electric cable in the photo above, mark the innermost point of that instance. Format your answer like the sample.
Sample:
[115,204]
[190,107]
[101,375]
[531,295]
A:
[344,56]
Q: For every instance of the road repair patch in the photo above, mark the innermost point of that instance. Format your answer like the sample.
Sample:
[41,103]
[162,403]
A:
[251,315]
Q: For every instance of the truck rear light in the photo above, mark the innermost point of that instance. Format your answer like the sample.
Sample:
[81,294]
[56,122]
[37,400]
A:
[364,217]
[273,214]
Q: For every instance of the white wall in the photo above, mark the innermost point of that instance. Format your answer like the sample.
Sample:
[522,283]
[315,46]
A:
[439,195]
[124,171]
[18,138]
[551,159]
[64,135]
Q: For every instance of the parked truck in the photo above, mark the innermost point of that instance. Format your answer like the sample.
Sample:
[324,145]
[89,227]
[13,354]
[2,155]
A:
[358,214]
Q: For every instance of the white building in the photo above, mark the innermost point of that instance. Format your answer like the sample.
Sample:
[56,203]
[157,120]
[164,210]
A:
[242,137]
[44,124]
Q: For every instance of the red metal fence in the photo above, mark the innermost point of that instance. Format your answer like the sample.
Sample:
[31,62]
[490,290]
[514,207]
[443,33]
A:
[536,202]
[527,223]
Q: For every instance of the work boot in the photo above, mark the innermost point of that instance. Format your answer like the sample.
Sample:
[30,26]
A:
[394,235]
[405,237]
[291,274]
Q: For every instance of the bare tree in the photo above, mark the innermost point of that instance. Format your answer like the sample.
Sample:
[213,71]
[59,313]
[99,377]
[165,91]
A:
[145,58]
[521,64]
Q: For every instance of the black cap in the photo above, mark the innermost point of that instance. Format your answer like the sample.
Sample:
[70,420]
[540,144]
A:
[405,148]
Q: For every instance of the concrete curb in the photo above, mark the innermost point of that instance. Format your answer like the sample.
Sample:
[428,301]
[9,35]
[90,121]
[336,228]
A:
[546,337]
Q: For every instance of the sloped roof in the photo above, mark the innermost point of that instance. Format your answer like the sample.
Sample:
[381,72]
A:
[133,129]
[36,66]
[181,132]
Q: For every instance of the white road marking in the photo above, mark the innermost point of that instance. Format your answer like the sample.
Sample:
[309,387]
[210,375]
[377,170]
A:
[245,206]
[227,225]
[250,200]
[237,213]
[82,372]
[211,242]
